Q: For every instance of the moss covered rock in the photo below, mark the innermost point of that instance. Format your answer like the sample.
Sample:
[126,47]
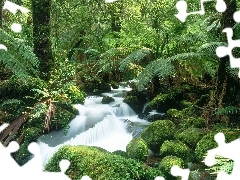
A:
[107,100]
[137,148]
[100,165]
[114,85]
[163,102]
[195,122]
[134,103]
[166,164]
[157,132]
[176,148]
[208,142]
[190,136]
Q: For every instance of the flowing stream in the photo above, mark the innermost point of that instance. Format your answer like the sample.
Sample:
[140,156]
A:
[102,125]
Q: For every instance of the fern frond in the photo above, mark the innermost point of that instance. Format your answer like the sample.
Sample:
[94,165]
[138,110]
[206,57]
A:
[10,102]
[110,59]
[68,39]
[210,48]
[135,57]
[164,67]
[228,110]
[19,57]
[45,94]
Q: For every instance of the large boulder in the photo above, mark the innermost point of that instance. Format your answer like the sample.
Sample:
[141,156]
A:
[107,100]
[166,164]
[157,132]
[100,165]
[137,149]
[208,142]
[176,148]
[190,136]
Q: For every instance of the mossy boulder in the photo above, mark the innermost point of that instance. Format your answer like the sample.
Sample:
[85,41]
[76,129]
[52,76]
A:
[134,103]
[157,132]
[208,142]
[195,122]
[190,136]
[100,165]
[107,100]
[163,102]
[114,85]
[176,148]
[120,153]
[137,149]
[166,164]
[136,100]
[156,117]
[175,115]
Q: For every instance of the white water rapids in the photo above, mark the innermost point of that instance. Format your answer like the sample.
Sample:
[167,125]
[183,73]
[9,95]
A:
[97,124]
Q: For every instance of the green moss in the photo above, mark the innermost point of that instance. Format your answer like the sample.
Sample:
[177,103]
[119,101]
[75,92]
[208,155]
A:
[176,148]
[163,102]
[166,164]
[175,114]
[137,148]
[157,132]
[193,122]
[120,153]
[208,142]
[107,100]
[190,136]
[100,165]
[133,102]
[114,84]
[158,101]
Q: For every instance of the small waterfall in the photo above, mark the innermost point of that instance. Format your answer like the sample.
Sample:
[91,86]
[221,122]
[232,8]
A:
[97,124]
[124,110]
[144,107]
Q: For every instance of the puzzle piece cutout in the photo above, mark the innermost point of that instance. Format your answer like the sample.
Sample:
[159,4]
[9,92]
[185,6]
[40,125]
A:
[222,51]
[228,150]
[33,169]
[182,9]
[177,171]
[13,8]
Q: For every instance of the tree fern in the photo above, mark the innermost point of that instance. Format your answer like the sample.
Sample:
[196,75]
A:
[110,59]
[19,57]
[135,57]
[165,67]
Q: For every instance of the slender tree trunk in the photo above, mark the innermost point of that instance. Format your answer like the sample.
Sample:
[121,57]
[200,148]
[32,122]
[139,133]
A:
[1,12]
[41,36]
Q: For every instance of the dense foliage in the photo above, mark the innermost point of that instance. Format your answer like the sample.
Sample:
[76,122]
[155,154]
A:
[100,164]
[70,49]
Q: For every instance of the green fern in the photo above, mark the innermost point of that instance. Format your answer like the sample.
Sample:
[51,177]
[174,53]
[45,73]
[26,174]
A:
[19,57]
[135,57]
[10,102]
[164,67]
[228,110]
[110,59]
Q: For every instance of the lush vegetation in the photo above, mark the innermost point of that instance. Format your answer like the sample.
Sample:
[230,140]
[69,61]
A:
[70,49]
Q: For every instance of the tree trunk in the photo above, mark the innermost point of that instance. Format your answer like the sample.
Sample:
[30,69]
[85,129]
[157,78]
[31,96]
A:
[1,13]
[223,95]
[41,36]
